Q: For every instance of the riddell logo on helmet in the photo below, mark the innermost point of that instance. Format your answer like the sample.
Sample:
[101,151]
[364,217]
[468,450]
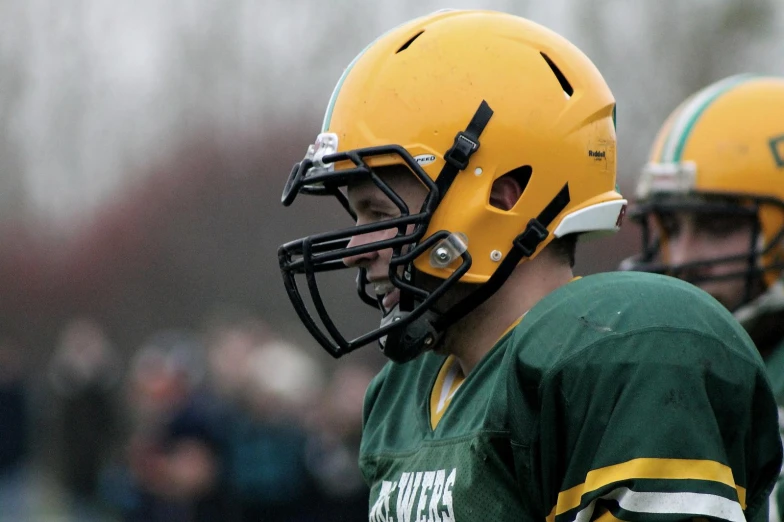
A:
[598,154]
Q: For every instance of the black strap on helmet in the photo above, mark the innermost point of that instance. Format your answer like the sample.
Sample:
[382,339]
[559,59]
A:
[465,144]
[457,158]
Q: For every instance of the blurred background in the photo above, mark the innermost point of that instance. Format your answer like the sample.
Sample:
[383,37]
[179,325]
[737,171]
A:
[151,366]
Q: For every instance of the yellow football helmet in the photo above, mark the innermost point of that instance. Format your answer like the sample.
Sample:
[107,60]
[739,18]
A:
[460,98]
[721,151]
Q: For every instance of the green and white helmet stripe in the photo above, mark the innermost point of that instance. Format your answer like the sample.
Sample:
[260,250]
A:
[688,116]
[334,97]
[336,90]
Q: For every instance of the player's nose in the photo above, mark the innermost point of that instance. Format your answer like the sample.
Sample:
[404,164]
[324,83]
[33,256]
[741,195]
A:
[363,259]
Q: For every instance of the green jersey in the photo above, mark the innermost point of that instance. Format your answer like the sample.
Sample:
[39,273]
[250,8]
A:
[621,395]
[774,365]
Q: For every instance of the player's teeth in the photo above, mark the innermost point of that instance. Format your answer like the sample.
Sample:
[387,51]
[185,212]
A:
[383,288]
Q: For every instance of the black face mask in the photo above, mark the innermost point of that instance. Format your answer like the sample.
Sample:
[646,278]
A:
[649,259]
[406,330]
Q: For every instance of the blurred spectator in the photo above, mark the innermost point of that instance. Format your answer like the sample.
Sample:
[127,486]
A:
[15,439]
[293,440]
[268,475]
[84,374]
[333,448]
[174,469]
[232,336]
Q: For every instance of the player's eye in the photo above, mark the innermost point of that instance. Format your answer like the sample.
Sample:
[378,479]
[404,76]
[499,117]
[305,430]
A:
[721,225]
[373,214]
[384,214]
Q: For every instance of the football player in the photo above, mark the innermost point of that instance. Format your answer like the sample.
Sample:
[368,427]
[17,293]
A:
[711,204]
[472,148]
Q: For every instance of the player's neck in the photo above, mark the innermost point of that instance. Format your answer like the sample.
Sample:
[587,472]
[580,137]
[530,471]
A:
[473,337]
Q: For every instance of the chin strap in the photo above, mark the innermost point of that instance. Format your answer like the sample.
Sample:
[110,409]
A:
[404,344]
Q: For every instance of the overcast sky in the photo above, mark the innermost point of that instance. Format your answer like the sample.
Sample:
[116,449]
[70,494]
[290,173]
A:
[93,91]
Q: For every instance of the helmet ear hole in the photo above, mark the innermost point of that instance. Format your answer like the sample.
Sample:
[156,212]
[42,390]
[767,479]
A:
[508,189]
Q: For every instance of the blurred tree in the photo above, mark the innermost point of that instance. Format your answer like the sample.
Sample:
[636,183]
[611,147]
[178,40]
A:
[149,142]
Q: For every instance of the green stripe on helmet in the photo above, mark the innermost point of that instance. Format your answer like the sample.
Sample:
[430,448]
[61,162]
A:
[687,119]
[613,117]
[336,91]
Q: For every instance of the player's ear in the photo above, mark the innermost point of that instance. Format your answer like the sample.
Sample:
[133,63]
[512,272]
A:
[506,191]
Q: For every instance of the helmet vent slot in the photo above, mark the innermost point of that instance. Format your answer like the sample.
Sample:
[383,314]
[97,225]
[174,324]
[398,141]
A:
[565,85]
[409,42]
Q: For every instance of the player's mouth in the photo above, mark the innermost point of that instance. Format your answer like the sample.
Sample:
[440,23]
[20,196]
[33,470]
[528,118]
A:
[388,293]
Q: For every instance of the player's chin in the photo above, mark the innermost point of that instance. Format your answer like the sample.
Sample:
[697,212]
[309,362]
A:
[390,301]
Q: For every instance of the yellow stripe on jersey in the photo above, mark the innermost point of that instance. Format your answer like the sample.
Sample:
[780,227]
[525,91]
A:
[449,379]
[662,469]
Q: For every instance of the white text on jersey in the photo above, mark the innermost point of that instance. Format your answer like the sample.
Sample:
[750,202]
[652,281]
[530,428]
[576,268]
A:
[421,496]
